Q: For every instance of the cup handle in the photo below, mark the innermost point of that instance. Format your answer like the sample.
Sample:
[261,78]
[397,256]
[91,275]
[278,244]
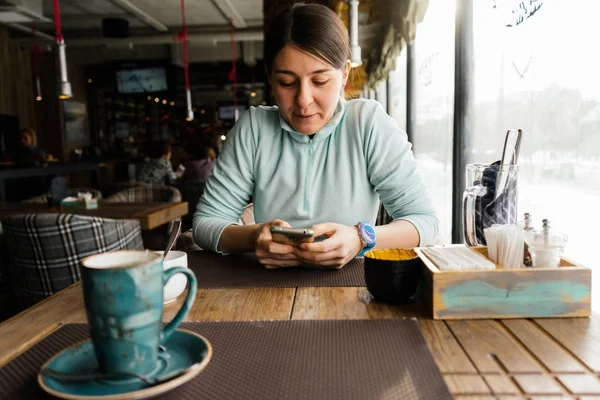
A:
[469,221]
[187,305]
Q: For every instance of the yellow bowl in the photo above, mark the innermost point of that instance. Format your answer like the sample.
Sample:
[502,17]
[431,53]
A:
[393,275]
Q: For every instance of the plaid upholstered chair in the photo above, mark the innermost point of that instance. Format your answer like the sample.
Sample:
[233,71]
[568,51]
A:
[46,249]
[96,194]
[157,237]
[146,194]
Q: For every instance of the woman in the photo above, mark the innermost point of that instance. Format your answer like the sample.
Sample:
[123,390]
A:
[200,167]
[315,160]
[159,170]
[29,154]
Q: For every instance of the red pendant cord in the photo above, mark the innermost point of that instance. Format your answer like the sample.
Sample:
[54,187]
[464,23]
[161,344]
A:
[58,35]
[183,37]
[233,72]
[36,51]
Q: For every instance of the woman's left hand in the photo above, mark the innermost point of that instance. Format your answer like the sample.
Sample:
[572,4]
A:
[341,245]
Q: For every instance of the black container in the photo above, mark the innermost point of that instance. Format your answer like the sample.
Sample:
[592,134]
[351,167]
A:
[393,280]
[117,28]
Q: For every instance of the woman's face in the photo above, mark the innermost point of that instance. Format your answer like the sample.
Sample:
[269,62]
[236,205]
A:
[26,140]
[306,88]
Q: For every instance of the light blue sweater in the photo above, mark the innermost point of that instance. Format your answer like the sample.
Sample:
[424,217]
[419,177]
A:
[359,158]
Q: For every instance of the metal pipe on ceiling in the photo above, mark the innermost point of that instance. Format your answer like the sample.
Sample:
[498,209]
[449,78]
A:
[204,37]
[142,15]
[249,35]
[229,11]
[22,28]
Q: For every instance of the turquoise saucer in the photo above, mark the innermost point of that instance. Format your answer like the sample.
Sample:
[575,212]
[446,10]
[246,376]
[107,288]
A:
[184,351]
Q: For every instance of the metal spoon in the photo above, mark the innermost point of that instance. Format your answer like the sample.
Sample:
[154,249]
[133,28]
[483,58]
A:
[173,235]
[75,377]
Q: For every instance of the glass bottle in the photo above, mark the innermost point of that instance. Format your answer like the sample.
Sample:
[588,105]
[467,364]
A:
[546,246]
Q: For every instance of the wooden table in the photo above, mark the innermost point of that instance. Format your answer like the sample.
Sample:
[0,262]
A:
[480,359]
[51,169]
[150,215]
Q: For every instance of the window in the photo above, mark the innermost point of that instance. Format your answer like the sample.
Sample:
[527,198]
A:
[397,91]
[434,103]
[381,94]
[539,71]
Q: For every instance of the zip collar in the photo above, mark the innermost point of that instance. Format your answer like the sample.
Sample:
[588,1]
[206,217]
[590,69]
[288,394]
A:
[322,134]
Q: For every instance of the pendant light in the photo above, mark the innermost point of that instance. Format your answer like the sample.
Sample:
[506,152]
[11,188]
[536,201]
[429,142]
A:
[189,112]
[233,72]
[36,64]
[64,88]
[355,58]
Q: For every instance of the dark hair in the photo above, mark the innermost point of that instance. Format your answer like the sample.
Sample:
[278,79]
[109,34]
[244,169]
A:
[313,28]
[159,149]
[200,153]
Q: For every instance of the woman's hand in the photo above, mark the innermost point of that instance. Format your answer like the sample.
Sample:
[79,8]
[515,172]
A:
[272,254]
[341,245]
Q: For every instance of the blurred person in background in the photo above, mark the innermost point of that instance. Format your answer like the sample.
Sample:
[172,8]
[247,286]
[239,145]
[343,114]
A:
[159,170]
[200,167]
[29,154]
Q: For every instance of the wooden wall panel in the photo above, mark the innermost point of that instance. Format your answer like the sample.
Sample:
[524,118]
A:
[16,81]
[17,93]
[5,73]
[49,111]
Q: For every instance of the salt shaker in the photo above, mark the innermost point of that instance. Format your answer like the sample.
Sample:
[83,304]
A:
[545,246]
[527,254]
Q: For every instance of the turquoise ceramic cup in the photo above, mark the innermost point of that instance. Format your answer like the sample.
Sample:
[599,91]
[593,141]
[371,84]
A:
[123,293]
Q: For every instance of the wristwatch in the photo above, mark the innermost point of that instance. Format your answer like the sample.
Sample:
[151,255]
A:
[367,235]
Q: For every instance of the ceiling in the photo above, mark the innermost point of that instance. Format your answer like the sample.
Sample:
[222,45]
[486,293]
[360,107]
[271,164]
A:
[83,19]
[154,23]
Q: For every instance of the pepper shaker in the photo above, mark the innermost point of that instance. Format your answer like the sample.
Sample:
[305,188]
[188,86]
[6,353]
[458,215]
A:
[546,246]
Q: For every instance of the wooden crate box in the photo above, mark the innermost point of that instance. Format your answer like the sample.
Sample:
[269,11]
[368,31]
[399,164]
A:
[565,291]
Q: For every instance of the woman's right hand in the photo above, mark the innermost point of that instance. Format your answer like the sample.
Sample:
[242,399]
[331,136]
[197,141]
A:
[272,254]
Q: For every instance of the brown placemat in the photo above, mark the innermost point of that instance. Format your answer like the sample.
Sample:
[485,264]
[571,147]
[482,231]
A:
[215,271]
[358,359]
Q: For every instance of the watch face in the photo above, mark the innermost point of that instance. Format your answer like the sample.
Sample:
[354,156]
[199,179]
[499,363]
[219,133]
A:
[368,233]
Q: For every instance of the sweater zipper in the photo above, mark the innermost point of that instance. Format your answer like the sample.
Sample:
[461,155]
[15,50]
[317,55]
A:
[310,152]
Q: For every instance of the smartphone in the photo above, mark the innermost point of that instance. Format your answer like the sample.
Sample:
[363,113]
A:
[292,236]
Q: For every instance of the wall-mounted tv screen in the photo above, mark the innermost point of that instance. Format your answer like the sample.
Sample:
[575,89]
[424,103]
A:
[225,112]
[145,80]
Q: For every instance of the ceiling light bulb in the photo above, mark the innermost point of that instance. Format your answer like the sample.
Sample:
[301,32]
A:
[355,58]
[64,87]
[190,110]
